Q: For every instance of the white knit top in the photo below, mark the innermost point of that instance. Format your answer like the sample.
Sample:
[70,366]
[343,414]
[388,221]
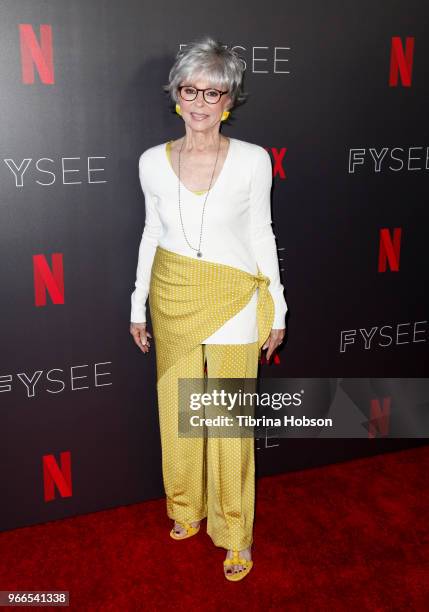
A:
[236,230]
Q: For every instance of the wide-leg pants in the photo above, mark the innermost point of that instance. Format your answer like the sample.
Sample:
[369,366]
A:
[211,477]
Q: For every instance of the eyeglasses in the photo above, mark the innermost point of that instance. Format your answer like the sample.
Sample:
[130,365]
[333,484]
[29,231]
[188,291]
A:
[189,93]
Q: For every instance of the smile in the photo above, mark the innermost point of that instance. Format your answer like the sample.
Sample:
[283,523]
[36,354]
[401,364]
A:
[198,117]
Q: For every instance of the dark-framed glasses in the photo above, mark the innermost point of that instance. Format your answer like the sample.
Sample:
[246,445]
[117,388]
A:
[211,95]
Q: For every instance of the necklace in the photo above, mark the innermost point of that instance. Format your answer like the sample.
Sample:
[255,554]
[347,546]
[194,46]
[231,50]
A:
[199,253]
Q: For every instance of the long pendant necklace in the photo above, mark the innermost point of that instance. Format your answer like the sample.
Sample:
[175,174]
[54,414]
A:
[199,253]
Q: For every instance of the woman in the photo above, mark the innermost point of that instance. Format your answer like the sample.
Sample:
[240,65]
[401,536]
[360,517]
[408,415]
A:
[215,296]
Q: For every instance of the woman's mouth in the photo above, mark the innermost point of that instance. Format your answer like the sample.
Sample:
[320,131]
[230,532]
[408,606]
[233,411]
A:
[198,116]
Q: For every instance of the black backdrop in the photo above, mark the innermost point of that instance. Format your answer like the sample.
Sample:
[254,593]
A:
[75,391]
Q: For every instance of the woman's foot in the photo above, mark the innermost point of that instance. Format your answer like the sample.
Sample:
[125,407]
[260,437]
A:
[237,568]
[179,531]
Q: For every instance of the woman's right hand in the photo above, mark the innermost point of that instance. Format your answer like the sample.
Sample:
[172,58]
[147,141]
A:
[141,336]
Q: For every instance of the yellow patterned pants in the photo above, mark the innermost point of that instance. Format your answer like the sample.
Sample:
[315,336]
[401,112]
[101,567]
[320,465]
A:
[189,299]
[211,477]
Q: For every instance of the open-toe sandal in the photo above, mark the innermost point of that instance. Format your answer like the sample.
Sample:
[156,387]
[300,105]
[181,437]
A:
[190,531]
[236,560]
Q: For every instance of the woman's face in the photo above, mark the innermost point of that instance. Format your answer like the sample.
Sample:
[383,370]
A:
[199,114]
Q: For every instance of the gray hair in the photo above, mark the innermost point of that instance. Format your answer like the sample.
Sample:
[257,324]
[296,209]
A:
[209,58]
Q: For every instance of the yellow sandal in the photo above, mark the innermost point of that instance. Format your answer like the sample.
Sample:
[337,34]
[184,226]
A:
[236,560]
[190,531]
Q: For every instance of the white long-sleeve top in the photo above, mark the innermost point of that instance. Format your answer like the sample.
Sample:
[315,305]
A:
[237,229]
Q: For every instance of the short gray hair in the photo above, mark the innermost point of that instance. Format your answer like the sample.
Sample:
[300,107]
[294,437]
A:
[210,58]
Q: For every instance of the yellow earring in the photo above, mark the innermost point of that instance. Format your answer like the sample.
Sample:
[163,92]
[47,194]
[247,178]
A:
[178,109]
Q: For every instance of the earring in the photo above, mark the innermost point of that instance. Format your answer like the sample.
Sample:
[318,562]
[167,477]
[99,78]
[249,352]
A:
[225,115]
[178,109]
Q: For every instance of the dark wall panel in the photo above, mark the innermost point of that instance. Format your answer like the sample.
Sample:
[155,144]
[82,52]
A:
[318,74]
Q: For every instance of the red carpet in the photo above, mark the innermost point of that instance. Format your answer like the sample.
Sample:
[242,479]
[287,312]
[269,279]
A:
[351,536]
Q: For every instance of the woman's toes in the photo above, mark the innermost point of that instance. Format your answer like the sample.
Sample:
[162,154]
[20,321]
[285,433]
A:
[181,531]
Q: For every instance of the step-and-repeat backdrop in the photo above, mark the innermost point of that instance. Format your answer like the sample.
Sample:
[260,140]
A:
[338,96]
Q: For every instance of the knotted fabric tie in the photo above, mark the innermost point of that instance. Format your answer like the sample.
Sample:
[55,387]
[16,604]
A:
[190,299]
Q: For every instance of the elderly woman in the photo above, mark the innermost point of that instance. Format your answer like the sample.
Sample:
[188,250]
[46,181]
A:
[208,262]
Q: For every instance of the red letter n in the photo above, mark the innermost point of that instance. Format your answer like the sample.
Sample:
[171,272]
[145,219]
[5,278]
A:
[33,54]
[53,475]
[389,249]
[379,417]
[45,279]
[400,62]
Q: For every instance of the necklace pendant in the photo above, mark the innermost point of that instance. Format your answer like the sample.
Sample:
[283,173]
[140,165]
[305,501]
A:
[199,254]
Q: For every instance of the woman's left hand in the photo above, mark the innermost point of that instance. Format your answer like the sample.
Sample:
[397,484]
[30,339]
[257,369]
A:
[274,340]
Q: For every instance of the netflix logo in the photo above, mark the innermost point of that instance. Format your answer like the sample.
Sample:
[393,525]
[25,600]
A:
[59,476]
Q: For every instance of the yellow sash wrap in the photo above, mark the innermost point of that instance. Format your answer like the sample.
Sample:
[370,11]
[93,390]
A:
[191,298]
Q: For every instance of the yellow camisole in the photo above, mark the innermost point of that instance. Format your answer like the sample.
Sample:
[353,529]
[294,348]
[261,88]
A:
[168,147]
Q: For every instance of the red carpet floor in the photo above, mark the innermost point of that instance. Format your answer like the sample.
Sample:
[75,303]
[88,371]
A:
[351,536]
